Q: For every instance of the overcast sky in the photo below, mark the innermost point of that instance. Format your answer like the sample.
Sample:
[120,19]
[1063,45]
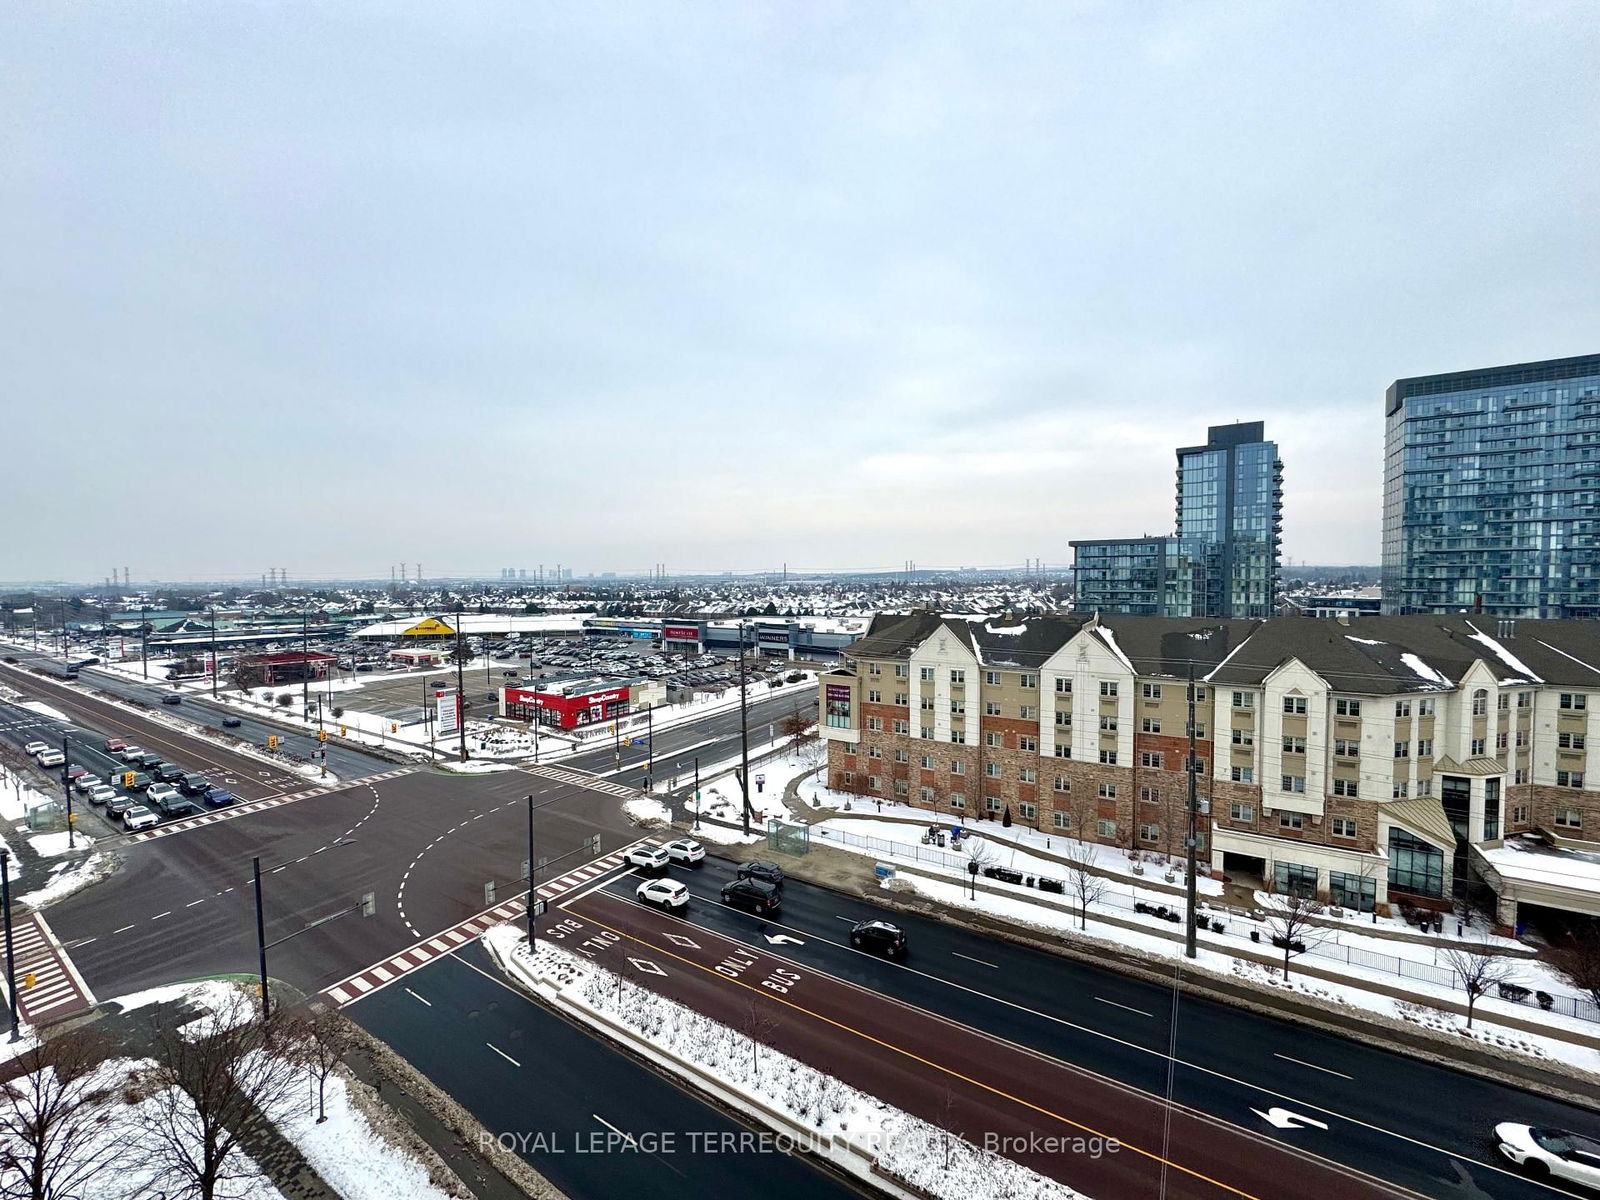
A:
[334,286]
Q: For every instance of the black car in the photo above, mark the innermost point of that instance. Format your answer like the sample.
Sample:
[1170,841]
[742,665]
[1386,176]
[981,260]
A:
[194,785]
[756,895]
[172,699]
[881,937]
[169,773]
[148,760]
[765,871]
[174,806]
[230,722]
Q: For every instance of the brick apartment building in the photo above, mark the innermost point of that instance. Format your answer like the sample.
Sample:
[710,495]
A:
[1389,758]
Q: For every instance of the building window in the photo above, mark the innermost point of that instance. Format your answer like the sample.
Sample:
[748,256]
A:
[1352,891]
[1243,813]
[1108,724]
[958,677]
[1064,687]
[1061,820]
[1291,820]
[902,727]
[927,674]
[875,724]
[1027,811]
[1030,712]
[958,708]
[1415,866]
[1242,774]
[1149,833]
[1150,725]
[1294,745]
[927,762]
[901,671]
[1503,701]
[1063,784]
[957,801]
[1108,757]
[1108,687]
[1292,879]
[992,678]
[849,779]
[1519,815]
[1425,707]
[927,732]
[958,767]
[1520,776]
[1150,758]
[1063,750]
[1400,789]
[1027,775]
[1344,827]
[925,795]
[874,669]
[958,737]
[994,740]
[1480,703]
[1105,828]
[1475,747]
[1346,748]
[874,696]
[872,783]
[926,704]
[1294,706]
[1294,783]
[1030,680]
[902,699]
[1402,749]
[1347,708]
[1402,708]
[1027,742]
[1344,787]
[1151,691]
[874,752]
[1199,692]
[1244,737]
[991,708]
[1149,795]
[992,803]
[1524,699]
[1500,743]
[1064,720]
[902,756]
[1574,700]
[1424,747]
[1108,791]
[1244,699]
[1424,787]
[1573,779]
[1569,741]
[992,770]
[902,788]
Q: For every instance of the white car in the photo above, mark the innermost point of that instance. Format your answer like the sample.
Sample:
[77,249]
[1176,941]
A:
[138,817]
[87,783]
[667,893]
[101,792]
[686,851]
[129,753]
[1551,1153]
[160,793]
[647,858]
[51,758]
[37,748]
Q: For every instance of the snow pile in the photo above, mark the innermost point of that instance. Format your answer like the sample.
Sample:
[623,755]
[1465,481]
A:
[1523,672]
[44,710]
[68,877]
[1110,639]
[645,811]
[1489,1035]
[1426,672]
[1364,641]
[839,1120]
[54,845]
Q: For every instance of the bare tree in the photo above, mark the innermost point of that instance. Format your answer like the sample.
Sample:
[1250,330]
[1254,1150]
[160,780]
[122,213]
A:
[321,1038]
[211,1087]
[980,854]
[52,1113]
[1476,970]
[1086,886]
[247,673]
[1577,959]
[1293,930]
[758,1026]
[799,727]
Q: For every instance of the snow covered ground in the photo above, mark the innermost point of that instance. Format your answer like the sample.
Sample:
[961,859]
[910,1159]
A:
[852,1129]
[721,798]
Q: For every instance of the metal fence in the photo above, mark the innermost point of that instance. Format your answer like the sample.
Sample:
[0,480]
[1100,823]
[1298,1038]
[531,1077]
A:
[1578,1007]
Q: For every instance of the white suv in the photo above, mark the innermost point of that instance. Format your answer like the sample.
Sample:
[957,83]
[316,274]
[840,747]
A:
[667,893]
[647,858]
[686,851]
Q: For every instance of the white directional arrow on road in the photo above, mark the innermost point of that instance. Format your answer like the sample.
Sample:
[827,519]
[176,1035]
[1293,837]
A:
[778,939]
[1283,1118]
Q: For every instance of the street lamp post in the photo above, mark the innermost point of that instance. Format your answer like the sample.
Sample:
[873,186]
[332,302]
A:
[367,907]
[213,652]
[261,936]
[66,787]
[697,793]
[461,725]
[11,958]
[533,894]
[649,745]
[744,734]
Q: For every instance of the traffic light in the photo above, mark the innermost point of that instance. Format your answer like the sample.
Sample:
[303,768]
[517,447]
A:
[272,741]
[322,735]
[127,779]
[343,731]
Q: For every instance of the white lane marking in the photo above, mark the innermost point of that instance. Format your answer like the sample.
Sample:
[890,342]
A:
[1284,1118]
[1128,1007]
[192,903]
[503,1054]
[628,1137]
[428,1002]
[837,917]
[1302,1062]
[979,961]
[124,929]
[158,916]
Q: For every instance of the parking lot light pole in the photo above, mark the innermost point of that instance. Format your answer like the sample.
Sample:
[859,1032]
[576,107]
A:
[11,958]
[697,793]
[744,733]
[213,652]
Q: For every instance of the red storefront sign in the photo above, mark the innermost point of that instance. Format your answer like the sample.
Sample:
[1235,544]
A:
[570,711]
[680,633]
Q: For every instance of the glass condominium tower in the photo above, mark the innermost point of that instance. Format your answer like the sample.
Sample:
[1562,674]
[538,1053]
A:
[1490,487]
[1223,559]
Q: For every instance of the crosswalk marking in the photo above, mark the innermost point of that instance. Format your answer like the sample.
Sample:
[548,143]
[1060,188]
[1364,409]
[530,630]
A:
[58,990]
[580,779]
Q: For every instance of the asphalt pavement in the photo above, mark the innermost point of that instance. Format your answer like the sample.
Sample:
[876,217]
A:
[593,1121]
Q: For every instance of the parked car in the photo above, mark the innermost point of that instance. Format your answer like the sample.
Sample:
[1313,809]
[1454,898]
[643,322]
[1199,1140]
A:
[765,871]
[1551,1153]
[169,772]
[100,793]
[115,745]
[51,758]
[647,858]
[138,817]
[686,851]
[219,797]
[756,895]
[194,785]
[881,937]
[37,748]
[667,893]
[230,722]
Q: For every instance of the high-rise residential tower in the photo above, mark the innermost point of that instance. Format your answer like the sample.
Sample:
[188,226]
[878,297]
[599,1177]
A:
[1223,559]
[1491,491]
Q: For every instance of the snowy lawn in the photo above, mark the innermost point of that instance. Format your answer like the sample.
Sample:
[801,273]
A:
[721,798]
[849,1127]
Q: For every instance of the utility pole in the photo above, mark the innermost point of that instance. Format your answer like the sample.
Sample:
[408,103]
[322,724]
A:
[11,957]
[1191,839]
[649,746]
[533,893]
[305,662]
[461,725]
[744,733]
[261,934]
[697,793]
[66,787]
[213,651]
[144,631]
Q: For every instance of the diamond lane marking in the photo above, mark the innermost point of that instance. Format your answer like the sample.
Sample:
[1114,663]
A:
[646,966]
[687,943]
